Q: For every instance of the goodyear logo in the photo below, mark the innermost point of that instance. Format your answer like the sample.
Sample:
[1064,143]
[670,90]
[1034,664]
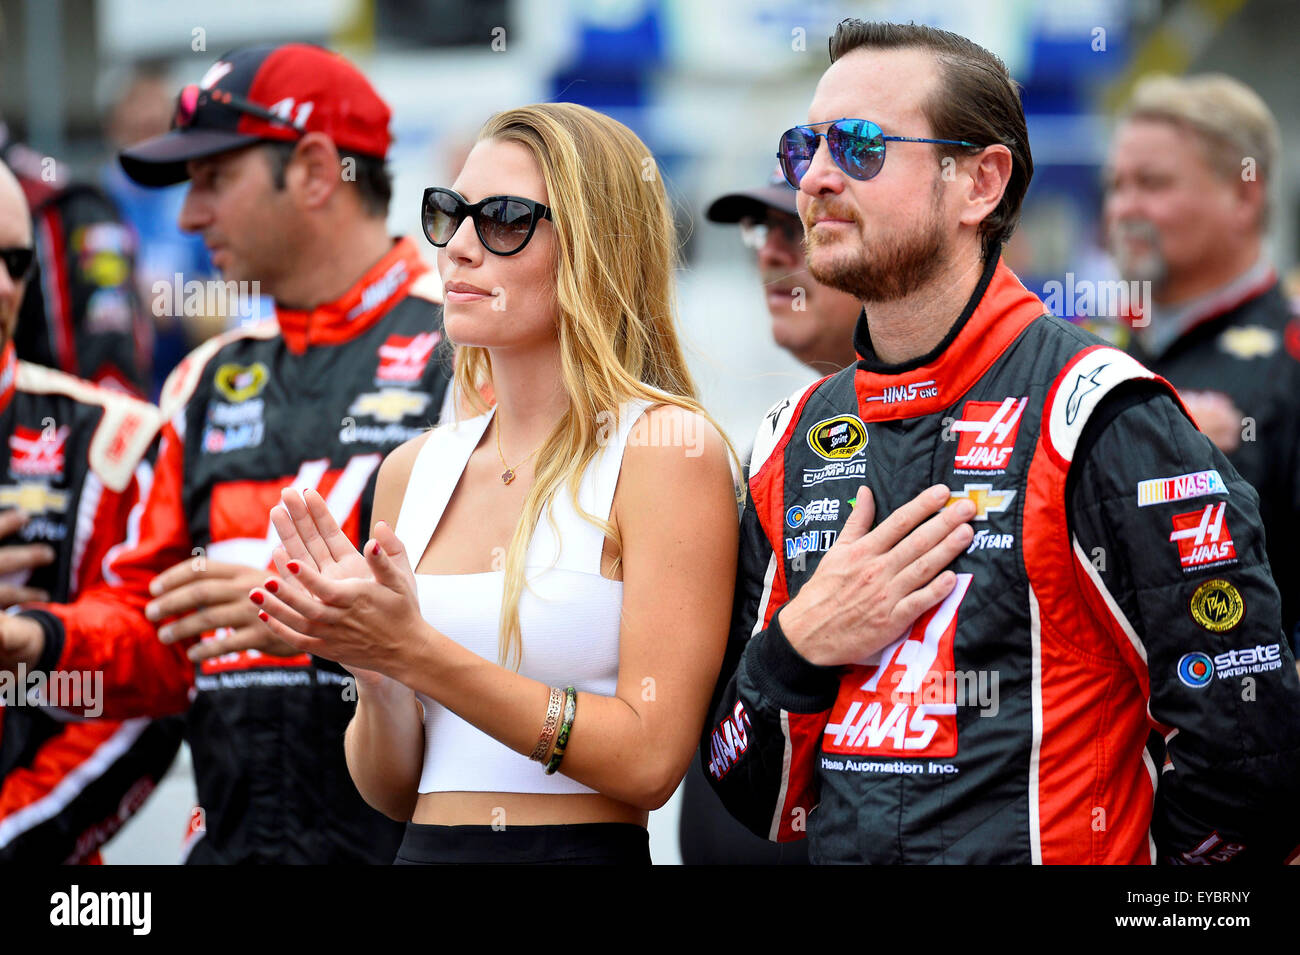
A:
[1217,606]
[838,438]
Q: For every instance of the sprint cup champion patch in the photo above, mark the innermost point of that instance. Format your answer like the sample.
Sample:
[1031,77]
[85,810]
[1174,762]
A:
[838,438]
[1217,606]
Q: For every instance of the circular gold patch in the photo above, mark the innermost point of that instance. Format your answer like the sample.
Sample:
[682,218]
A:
[1217,606]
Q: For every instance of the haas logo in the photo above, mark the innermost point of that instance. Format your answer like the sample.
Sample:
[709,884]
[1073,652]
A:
[403,358]
[37,453]
[1203,538]
[887,708]
[987,434]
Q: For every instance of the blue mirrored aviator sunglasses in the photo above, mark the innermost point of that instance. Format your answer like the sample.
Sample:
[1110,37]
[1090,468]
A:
[856,145]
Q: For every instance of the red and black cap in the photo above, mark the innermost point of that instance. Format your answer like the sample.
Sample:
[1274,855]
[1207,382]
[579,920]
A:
[260,93]
[754,203]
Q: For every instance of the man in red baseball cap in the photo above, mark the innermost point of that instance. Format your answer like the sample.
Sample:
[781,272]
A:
[284,147]
[265,93]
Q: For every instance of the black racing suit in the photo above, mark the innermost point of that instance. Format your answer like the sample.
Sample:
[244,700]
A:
[1118,564]
[75,461]
[315,402]
[1247,348]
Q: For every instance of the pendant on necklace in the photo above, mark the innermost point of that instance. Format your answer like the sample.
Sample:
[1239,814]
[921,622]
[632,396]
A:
[507,475]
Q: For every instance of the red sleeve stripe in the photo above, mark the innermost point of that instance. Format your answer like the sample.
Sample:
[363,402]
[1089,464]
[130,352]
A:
[795,800]
[74,783]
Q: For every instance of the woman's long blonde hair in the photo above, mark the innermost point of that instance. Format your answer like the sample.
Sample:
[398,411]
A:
[614,289]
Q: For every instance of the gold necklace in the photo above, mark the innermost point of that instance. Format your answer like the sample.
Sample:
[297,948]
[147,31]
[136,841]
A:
[508,474]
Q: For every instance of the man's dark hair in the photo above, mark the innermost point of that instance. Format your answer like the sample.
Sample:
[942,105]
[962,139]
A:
[977,100]
[370,172]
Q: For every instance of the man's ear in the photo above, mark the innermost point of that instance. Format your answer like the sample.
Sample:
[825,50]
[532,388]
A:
[1252,196]
[988,174]
[313,173]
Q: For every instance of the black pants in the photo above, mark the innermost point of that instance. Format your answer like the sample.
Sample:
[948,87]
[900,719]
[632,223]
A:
[593,843]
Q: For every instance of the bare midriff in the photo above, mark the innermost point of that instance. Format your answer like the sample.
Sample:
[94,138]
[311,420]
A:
[522,809]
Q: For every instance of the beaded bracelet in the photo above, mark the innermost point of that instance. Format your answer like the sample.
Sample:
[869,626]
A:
[561,741]
[548,728]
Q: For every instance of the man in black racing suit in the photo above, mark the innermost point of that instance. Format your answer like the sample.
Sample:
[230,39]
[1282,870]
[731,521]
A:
[980,685]
[75,470]
[349,371]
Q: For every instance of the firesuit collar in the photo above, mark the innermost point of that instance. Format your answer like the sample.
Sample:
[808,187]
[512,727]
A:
[365,303]
[999,312]
[867,354]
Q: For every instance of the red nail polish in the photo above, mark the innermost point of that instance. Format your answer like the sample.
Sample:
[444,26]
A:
[256,597]
[293,567]
[273,586]
[261,615]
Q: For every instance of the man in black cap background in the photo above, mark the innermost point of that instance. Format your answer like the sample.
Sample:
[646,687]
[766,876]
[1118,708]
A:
[811,321]
[285,148]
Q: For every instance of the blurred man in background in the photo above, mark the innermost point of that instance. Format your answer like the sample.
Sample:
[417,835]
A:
[285,149]
[1187,210]
[811,321]
[81,313]
[73,475]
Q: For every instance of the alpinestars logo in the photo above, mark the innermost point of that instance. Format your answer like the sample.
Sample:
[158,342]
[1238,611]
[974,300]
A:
[1084,385]
[987,434]
[1203,538]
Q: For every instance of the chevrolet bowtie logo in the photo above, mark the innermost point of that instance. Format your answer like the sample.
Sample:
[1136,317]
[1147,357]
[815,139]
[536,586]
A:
[33,498]
[987,501]
[391,404]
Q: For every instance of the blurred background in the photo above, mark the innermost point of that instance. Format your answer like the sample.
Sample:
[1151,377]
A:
[708,86]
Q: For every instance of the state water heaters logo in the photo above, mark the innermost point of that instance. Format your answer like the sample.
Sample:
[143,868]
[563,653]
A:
[822,509]
[1203,538]
[987,434]
[1195,669]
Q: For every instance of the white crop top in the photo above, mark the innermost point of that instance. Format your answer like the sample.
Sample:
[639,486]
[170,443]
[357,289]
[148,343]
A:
[569,615]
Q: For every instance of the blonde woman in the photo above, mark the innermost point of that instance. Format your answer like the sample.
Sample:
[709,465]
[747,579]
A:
[538,621]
